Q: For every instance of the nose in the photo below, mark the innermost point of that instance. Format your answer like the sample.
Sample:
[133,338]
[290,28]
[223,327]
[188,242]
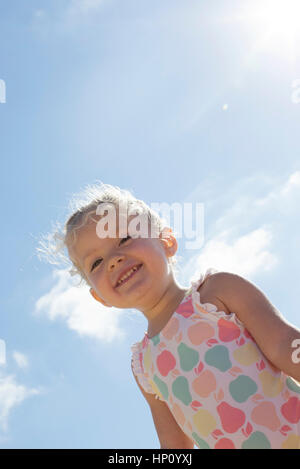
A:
[114,261]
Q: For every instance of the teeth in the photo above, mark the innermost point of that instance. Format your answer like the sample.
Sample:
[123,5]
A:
[127,275]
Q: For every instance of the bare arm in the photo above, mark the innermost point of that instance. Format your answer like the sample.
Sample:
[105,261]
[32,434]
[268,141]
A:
[168,431]
[271,331]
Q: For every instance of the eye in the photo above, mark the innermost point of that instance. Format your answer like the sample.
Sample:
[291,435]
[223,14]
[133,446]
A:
[95,264]
[124,239]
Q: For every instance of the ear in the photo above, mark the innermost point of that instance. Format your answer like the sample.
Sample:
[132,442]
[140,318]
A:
[169,242]
[97,298]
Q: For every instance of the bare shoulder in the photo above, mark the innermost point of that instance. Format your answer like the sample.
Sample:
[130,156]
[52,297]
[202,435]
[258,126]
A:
[222,282]
[211,290]
[230,290]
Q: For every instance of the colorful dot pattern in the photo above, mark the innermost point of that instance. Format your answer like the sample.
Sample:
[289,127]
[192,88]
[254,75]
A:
[219,386]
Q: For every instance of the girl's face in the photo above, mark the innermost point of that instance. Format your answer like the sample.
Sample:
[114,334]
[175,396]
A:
[105,260]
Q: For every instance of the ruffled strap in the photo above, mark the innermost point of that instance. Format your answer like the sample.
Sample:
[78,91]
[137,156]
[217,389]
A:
[209,308]
[202,277]
[138,369]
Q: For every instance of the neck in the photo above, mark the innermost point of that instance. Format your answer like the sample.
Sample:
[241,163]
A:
[162,310]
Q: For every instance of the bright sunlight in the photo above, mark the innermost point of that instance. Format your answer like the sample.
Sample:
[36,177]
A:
[278,17]
[274,23]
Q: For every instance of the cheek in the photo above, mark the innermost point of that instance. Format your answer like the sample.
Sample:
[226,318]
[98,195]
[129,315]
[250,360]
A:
[152,254]
[98,279]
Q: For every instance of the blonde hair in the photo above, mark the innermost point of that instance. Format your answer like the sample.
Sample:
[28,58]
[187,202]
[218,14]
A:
[81,207]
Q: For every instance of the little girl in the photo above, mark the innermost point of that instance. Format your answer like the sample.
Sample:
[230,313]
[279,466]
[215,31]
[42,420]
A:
[216,365]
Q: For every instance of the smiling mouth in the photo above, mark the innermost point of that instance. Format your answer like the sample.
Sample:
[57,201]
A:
[138,267]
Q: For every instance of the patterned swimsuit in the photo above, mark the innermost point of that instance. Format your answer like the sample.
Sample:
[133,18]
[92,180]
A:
[222,391]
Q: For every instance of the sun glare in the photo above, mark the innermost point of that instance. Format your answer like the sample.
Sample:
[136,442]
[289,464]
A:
[278,17]
[275,25]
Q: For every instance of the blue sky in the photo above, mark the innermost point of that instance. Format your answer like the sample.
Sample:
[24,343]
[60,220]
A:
[177,102]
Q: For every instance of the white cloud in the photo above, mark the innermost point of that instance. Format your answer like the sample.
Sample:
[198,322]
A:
[292,183]
[283,193]
[21,359]
[79,310]
[260,201]
[254,218]
[245,256]
[11,395]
